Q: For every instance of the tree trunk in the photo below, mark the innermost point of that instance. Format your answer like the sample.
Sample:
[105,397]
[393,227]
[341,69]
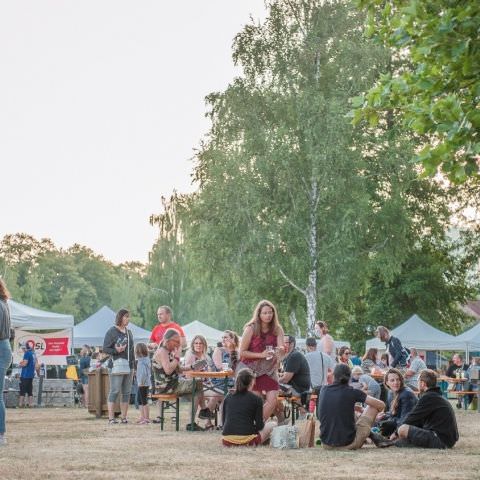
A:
[311,290]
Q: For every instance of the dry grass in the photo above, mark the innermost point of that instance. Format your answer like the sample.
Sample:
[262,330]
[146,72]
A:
[72,444]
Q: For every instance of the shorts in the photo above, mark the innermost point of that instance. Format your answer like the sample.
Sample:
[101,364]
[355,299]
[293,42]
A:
[252,443]
[419,437]
[363,427]
[26,387]
[143,395]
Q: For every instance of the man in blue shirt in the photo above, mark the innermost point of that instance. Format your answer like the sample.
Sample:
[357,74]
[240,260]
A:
[26,377]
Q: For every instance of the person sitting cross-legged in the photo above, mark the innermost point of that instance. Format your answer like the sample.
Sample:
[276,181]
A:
[243,423]
[431,423]
[336,405]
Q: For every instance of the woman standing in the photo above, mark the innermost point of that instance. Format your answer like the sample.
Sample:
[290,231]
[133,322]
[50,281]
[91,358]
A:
[260,349]
[118,343]
[5,352]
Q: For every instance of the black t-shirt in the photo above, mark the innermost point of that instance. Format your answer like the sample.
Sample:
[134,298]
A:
[337,419]
[242,414]
[297,364]
[452,370]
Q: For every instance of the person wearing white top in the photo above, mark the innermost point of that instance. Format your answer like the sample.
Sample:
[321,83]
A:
[416,366]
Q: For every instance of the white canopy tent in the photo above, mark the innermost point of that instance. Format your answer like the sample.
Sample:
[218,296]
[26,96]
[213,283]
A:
[470,339]
[301,343]
[212,335]
[29,318]
[419,334]
[92,330]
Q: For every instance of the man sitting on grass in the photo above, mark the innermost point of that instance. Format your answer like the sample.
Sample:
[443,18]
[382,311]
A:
[336,405]
[431,423]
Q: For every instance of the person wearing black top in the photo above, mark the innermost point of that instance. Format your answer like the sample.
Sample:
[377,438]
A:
[398,354]
[242,414]
[118,343]
[431,423]
[337,406]
[296,371]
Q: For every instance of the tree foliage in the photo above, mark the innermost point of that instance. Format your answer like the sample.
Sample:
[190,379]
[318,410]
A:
[436,90]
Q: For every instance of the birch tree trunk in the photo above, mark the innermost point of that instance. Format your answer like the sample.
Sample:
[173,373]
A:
[311,290]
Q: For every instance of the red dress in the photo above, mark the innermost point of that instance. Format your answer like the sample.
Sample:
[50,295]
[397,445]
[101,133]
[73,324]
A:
[258,344]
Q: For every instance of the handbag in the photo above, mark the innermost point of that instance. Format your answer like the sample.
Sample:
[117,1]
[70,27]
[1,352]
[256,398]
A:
[121,366]
[284,436]
[306,434]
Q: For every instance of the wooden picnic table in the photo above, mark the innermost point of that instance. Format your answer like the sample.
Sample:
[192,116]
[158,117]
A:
[199,375]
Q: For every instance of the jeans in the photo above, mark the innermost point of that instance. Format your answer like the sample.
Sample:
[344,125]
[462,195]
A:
[120,384]
[5,361]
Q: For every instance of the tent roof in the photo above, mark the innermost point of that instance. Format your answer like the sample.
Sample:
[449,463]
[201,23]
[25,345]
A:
[23,316]
[471,337]
[196,327]
[419,334]
[92,330]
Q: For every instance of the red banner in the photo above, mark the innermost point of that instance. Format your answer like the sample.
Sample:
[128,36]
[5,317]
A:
[56,346]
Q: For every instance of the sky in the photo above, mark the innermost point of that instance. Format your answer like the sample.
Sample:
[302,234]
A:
[102,104]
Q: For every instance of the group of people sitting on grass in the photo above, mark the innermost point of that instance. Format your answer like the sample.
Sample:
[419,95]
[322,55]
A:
[265,362]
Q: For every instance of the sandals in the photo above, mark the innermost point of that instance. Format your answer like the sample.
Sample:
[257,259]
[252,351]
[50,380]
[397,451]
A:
[124,420]
[112,421]
[157,420]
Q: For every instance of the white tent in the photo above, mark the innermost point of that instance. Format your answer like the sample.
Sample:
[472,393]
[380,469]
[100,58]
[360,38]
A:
[92,330]
[470,339]
[301,343]
[419,334]
[211,334]
[29,318]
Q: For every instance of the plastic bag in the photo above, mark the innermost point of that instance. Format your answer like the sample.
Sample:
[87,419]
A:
[284,436]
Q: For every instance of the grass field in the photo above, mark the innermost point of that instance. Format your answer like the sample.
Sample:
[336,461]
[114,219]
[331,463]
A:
[69,443]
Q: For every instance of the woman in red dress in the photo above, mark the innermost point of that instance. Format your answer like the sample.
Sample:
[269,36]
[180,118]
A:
[260,349]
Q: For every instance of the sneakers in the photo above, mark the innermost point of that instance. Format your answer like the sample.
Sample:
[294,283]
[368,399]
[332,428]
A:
[112,421]
[124,420]
[205,414]
[379,441]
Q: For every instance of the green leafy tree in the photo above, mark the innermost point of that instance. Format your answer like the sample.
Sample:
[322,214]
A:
[436,91]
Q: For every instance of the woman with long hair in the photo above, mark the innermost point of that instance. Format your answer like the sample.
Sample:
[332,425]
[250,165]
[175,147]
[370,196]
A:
[5,352]
[369,361]
[118,343]
[260,349]
[243,423]
[344,356]
[400,402]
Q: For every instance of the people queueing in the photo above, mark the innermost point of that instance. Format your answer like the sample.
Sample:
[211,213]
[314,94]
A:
[431,423]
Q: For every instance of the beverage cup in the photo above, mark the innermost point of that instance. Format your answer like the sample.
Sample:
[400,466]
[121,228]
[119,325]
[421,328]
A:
[225,366]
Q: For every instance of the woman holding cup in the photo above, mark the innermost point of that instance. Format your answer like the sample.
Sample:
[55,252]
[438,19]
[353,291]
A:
[264,330]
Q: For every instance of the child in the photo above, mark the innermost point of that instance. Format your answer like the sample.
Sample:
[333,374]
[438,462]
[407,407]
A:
[144,373]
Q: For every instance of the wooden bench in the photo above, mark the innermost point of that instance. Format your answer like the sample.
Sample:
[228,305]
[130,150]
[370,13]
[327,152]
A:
[292,405]
[463,393]
[168,401]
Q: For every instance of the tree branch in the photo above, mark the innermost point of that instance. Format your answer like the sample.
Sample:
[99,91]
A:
[301,290]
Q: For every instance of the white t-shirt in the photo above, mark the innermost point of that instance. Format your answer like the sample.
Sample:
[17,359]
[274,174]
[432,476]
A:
[318,369]
[416,366]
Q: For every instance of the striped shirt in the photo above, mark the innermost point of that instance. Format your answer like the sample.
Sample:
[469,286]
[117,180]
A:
[4,320]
